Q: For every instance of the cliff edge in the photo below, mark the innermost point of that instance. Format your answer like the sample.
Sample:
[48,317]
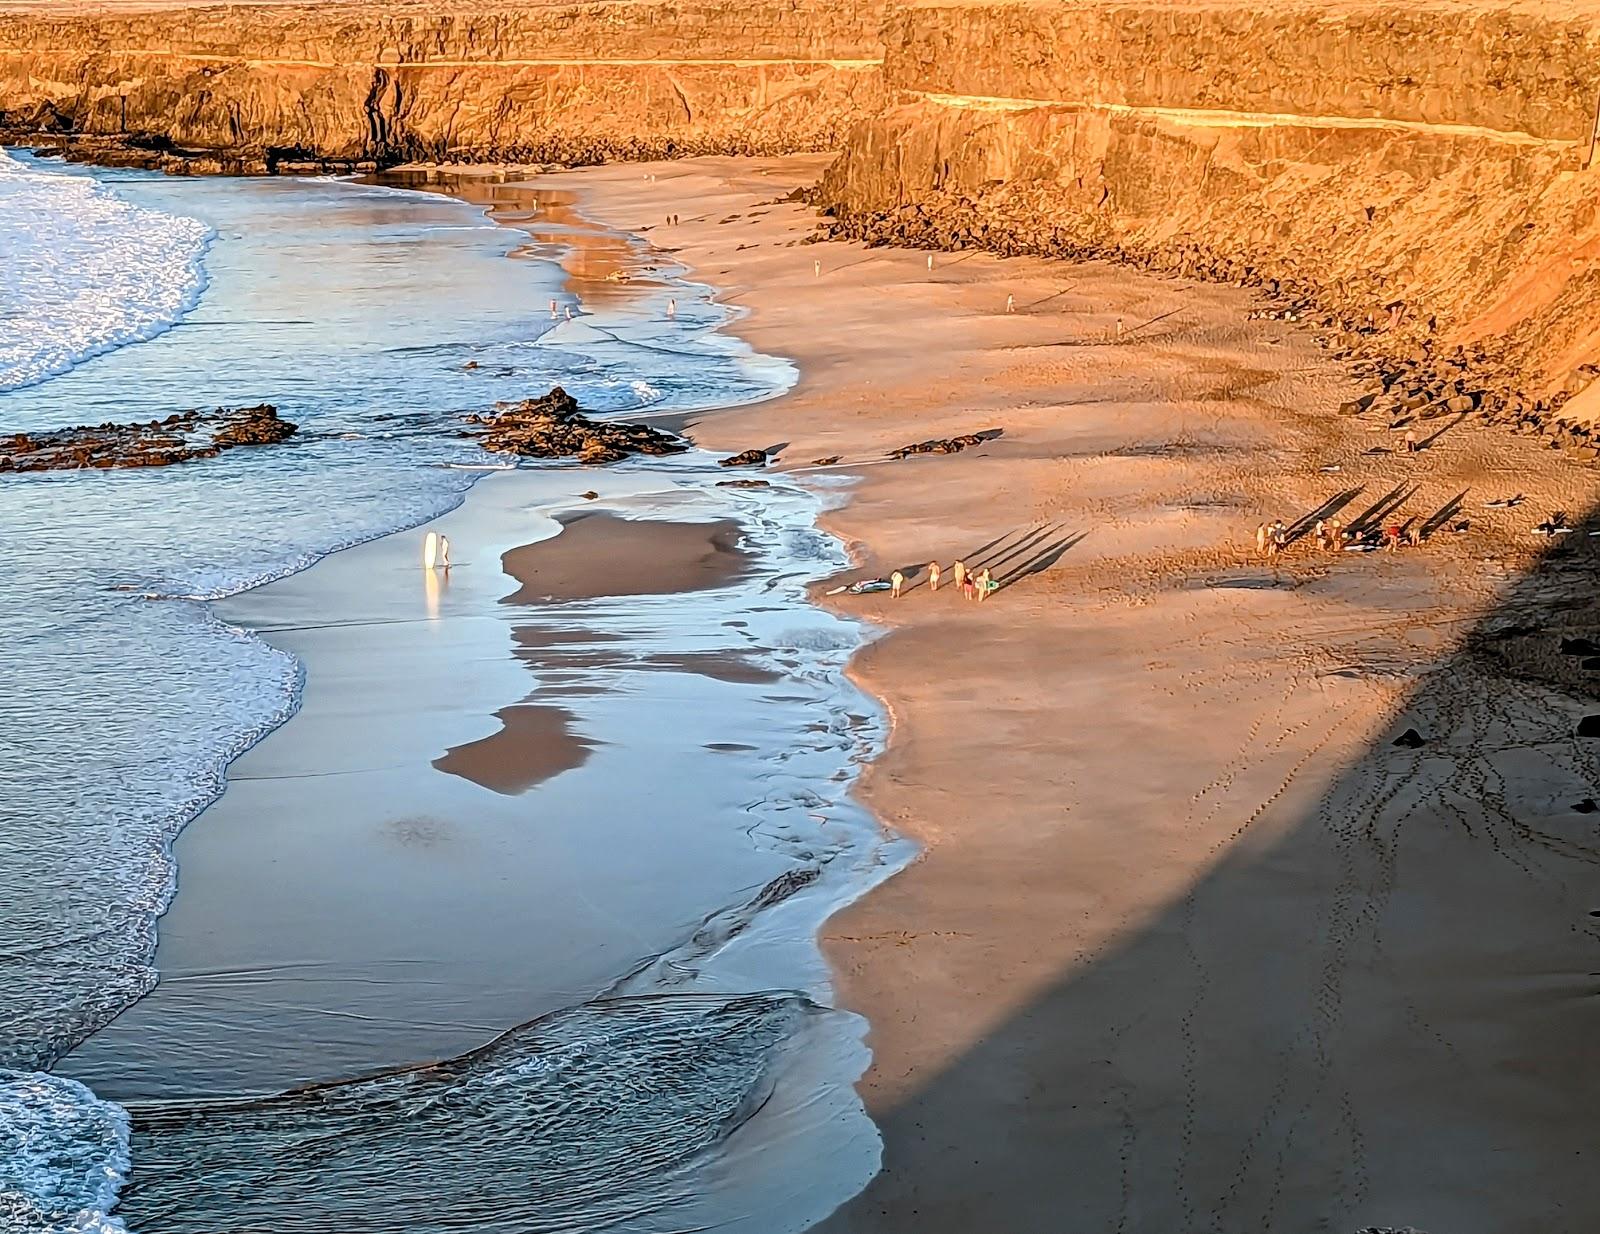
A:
[1415,176]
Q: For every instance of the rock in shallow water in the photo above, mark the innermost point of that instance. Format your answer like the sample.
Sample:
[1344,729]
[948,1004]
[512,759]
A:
[179,438]
[554,427]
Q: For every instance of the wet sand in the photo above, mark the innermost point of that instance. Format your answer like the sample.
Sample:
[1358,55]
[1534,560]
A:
[534,743]
[483,811]
[602,555]
[1191,944]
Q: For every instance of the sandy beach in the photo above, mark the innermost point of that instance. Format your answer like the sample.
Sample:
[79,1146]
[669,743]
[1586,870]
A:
[1191,943]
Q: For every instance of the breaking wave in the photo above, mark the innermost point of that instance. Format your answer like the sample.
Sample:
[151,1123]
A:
[83,271]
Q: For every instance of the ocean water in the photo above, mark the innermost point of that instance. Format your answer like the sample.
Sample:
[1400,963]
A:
[373,318]
[86,271]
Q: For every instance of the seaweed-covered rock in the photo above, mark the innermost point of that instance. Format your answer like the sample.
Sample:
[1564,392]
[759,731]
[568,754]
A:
[554,427]
[745,458]
[181,437]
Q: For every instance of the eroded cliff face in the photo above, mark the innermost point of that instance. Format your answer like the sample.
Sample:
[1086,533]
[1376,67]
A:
[376,83]
[1427,157]
[1414,171]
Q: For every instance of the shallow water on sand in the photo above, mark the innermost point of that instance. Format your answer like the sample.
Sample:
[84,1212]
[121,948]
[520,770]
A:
[370,317]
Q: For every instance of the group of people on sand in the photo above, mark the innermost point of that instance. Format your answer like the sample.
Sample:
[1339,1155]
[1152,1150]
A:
[1333,536]
[972,584]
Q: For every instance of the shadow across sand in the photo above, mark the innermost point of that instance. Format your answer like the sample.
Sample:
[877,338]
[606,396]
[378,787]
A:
[1376,1008]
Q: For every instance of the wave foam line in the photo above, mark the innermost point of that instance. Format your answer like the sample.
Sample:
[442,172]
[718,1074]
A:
[83,271]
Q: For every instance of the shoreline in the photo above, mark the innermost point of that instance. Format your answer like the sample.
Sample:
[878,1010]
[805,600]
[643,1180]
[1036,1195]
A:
[252,925]
[1005,1037]
[1109,1001]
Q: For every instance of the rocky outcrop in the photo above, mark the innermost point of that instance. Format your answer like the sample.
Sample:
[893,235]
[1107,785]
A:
[258,87]
[554,427]
[157,443]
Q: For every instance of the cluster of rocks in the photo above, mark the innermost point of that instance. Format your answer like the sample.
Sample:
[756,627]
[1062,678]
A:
[745,458]
[940,445]
[554,427]
[1388,340]
[157,443]
[1416,388]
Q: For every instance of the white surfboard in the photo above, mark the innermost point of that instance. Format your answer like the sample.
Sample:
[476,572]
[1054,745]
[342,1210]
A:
[430,550]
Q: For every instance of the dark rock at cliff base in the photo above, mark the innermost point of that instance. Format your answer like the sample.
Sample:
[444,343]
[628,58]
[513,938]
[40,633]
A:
[1579,647]
[179,438]
[942,445]
[746,458]
[554,427]
[1410,740]
[1589,726]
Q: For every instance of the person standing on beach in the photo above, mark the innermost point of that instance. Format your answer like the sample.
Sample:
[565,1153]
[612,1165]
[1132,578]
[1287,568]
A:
[959,573]
[1280,537]
[1011,304]
[444,551]
[933,576]
[1411,441]
[672,308]
[984,584]
[897,582]
[1261,540]
[1119,330]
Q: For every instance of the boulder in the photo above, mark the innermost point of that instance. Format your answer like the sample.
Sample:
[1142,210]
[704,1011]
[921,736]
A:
[553,427]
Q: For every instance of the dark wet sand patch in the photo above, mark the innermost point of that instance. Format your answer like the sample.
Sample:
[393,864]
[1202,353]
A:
[534,744]
[533,638]
[600,555]
[718,665]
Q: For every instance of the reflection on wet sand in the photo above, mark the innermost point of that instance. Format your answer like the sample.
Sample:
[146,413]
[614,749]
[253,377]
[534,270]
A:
[535,742]
[602,266]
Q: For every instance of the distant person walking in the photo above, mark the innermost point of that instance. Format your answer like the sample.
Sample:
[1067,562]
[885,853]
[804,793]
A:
[672,309]
[444,551]
[1280,537]
[1011,304]
[958,572]
[897,582]
[1261,540]
[984,583]
[933,576]
[1120,330]
[1411,441]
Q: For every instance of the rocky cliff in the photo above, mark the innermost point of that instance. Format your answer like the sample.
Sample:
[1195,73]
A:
[255,84]
[1414,173]
[1415,169]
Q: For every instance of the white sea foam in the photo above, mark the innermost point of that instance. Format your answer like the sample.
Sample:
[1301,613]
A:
[83,271]
[63,1156]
